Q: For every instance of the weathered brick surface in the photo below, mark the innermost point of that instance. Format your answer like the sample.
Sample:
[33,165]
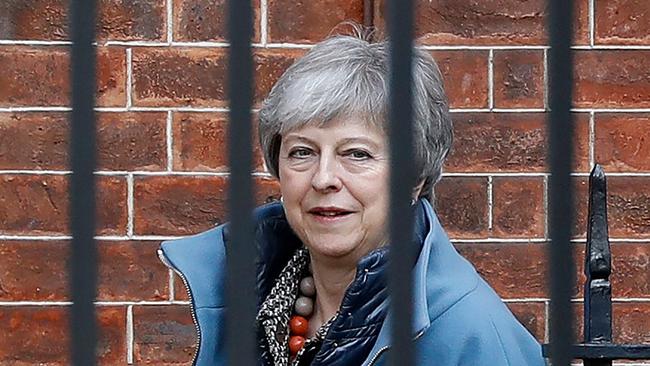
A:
[36,335]
[38,205]
[509,142]
[39,76]
[510,146]
[629,207]
[36,140]
[116,20]
[37,271]
[185,205]
[465,75]
[196,21]
[622,22]
[533,316]
[201,142]
[500,22]
[197,76]
[519,79]
[518,207]
[622,142]
[163,335]
[310,21]
[462,205]
[612,79]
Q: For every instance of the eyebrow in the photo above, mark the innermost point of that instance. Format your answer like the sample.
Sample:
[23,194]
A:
[344,141]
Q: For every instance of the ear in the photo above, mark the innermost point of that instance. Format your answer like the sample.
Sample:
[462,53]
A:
[417,190]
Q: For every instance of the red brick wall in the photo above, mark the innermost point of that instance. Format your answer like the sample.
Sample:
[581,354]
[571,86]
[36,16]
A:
[163,170]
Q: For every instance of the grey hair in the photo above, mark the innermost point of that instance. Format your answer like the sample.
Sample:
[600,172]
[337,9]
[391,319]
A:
[349,76]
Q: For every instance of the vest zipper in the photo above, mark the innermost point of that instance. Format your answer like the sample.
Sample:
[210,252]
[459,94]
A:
[385,348]
[163,259]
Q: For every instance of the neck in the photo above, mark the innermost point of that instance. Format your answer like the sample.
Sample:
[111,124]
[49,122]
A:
[331,281]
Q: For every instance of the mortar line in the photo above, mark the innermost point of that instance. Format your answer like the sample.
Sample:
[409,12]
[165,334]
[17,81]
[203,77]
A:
[129,335]
[546,81]
[547,322]
[97,303]
[170,22]
[129,78]
[491,80]
[592,23]
[172,291]
[546,211]
[264,22]
[8,42]
[592,140]
[169,139]
[225,109]
[129,205]
[490,190]
[262,174]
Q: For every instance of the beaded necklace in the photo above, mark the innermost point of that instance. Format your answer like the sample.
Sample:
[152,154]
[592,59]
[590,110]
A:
[285,331]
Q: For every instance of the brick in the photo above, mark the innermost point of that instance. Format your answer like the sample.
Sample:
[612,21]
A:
[196,21]
[629,207]
[33,271]
[531,315]
[509,142]
[117,20]
[201,142]
[631,322]
[197,77]
[461,204]
[630,275]
[180,291]
[310,21]
[622,22]
[621,142]
[38,205]
[518,205]
[465,77]
[41,141]
[38,76]
[612,79]
[501,22]
[519,79]
[163,335]
[141,138]
[515,271]
[40,335]
[181,205]
[131,271]
[38,271]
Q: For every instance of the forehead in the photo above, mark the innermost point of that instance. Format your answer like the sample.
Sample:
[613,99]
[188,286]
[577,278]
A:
[338,130]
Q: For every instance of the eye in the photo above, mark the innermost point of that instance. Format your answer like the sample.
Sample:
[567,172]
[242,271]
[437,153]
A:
[300,153]
[358,154]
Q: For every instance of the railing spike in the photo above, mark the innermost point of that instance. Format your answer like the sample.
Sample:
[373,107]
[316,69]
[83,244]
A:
[598,266]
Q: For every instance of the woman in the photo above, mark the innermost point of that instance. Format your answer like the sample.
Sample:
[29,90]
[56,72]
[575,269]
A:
[323,249]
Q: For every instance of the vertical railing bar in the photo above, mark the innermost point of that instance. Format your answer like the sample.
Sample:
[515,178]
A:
[402,181]
[560,122]
[83,259]
[240,288]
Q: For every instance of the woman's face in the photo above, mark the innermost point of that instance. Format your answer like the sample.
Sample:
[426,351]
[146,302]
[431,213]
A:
[334,183]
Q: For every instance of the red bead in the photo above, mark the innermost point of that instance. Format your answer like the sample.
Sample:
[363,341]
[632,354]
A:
[295,344]
[298,325]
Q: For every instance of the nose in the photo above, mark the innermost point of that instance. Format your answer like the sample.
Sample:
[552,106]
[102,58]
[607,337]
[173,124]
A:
[326,177]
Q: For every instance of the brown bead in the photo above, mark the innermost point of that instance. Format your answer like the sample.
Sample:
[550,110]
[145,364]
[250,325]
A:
[295,344]
[298,325]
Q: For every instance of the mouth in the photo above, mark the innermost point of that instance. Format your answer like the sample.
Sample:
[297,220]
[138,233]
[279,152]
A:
[330,212]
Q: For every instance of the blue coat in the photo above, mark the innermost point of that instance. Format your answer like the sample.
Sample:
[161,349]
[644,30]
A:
[457,318]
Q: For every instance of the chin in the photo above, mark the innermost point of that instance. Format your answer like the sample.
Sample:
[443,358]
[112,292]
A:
[332,247]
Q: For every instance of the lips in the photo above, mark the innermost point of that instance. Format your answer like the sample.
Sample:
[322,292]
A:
[329,212]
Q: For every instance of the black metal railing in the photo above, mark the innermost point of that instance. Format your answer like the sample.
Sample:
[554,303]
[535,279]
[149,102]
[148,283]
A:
[598,349]
[241,298]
